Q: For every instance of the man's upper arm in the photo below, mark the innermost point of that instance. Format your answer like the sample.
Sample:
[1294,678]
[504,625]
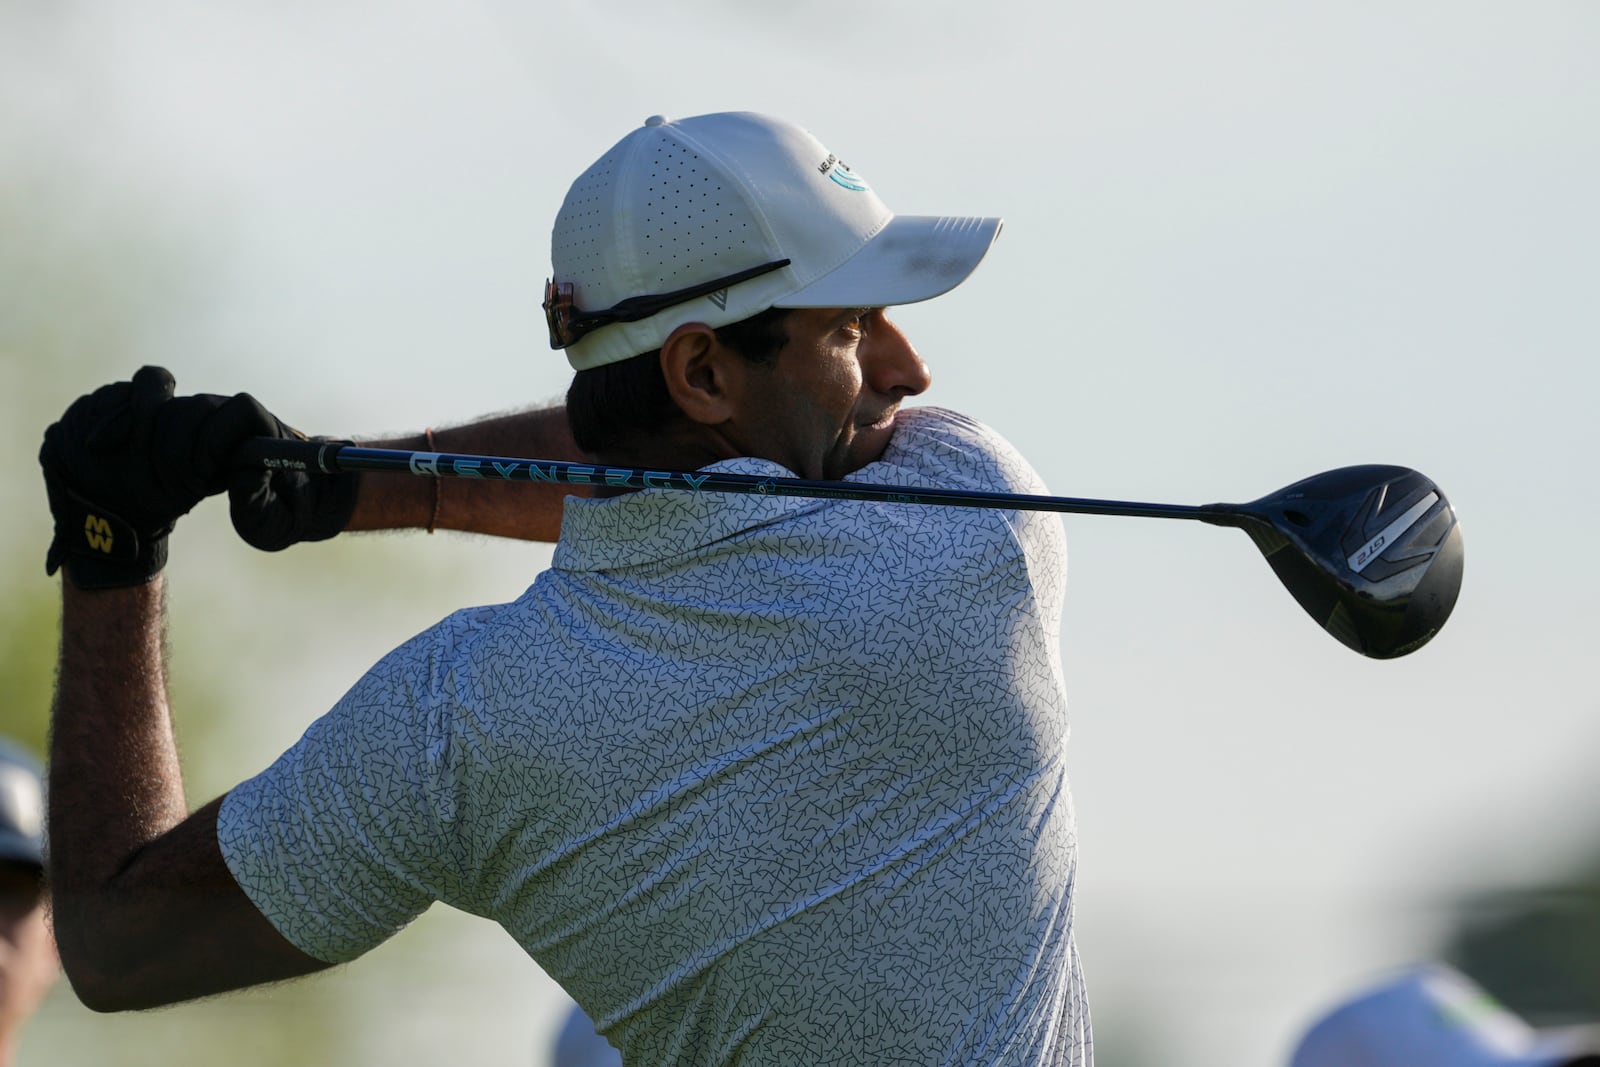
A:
[357,829]
[188,930]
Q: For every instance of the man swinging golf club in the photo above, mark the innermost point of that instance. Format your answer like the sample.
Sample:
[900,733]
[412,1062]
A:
[756,780]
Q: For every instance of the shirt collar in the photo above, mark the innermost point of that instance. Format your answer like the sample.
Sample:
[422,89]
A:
[656,524]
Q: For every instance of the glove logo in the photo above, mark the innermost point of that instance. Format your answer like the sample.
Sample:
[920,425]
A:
[97,532]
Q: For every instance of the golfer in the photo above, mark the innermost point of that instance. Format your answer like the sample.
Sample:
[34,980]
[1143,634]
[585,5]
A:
[757,780]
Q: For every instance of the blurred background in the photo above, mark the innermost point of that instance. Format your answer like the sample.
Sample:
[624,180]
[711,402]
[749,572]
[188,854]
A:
[1245,242]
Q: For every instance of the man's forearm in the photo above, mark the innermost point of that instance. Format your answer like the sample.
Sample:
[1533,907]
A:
[115,783]
[528,511]
[113,759]
[146,911]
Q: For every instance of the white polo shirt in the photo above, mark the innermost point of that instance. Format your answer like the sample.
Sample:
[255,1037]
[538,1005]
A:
[758,780]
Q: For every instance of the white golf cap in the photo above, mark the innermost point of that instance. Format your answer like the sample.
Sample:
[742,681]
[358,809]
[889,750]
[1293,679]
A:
[1432,1016]
[740,212]
[21,807]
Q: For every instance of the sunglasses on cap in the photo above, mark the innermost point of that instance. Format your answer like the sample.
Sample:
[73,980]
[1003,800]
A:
[569,324]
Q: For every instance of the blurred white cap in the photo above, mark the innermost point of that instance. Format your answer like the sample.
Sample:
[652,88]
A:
[578,1045]
[1433,1016]
[21,807]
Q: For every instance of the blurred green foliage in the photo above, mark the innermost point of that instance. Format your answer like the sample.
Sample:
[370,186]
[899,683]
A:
[85,268]
[28,630]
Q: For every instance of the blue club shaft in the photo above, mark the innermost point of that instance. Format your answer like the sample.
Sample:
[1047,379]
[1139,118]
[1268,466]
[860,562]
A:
[334,458]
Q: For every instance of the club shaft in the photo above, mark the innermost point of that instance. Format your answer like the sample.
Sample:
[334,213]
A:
[335,458]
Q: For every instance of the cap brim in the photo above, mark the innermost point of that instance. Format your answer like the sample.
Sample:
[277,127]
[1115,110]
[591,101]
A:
[914,257]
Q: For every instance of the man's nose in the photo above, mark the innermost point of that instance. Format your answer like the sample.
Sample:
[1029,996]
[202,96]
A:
[889,361]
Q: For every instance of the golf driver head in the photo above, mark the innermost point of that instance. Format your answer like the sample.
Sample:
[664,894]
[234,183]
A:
[1373,553]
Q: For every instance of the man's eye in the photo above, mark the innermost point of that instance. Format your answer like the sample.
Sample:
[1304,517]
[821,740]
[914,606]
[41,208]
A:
[857,323]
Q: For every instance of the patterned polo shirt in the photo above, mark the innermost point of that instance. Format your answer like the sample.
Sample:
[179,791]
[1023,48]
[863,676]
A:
[758,780]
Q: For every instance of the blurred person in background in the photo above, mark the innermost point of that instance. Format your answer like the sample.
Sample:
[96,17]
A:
[1435,1016]
[28,966]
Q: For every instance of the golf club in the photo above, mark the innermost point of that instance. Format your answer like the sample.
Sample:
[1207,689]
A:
[1373,553]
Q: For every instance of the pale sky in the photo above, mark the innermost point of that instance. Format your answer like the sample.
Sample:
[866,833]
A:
[1244,242]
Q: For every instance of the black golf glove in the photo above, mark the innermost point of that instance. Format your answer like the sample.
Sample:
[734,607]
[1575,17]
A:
[273,509]
[122,465]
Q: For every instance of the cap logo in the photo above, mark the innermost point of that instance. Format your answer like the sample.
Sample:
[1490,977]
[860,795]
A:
[841,174]
[719,298]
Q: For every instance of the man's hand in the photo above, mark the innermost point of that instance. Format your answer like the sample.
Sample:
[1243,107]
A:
[121,467]
[127,461]
[273,509]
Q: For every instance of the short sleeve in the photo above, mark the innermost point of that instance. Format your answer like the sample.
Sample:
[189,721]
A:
[350,834]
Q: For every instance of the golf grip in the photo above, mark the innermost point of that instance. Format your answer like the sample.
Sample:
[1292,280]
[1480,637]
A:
[331,457]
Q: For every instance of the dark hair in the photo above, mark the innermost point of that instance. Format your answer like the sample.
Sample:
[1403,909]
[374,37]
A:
[610,405]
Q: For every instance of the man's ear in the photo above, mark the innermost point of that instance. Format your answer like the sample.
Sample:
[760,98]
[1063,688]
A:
[702,374]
